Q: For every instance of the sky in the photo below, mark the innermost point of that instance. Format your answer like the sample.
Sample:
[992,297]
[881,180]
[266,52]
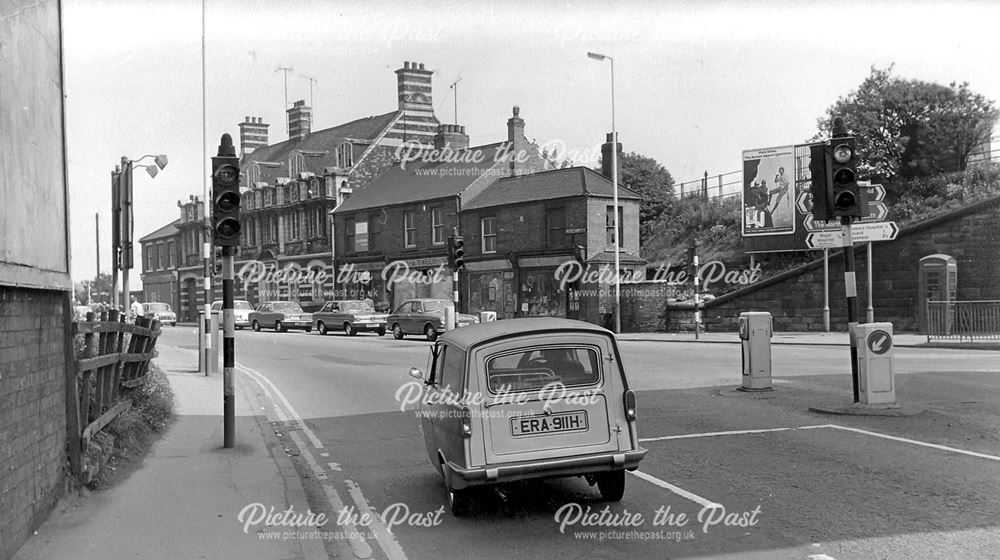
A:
[695,83]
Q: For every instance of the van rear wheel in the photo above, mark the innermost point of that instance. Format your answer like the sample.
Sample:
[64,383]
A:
[612,485]
[460,502]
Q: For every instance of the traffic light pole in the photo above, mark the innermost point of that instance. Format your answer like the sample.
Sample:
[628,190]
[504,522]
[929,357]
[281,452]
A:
[851,287]
[228,349]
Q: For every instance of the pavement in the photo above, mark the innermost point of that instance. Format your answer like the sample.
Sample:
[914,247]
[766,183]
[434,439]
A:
[185,499]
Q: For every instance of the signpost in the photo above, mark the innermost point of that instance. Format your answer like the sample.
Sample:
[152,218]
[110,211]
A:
[862,232]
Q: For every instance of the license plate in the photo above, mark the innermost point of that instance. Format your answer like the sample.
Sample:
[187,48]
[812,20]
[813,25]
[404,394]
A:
[371,324]
[560,422]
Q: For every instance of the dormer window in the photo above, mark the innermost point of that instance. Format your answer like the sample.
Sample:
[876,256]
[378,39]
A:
[345,155]
[296,164]
[253,173]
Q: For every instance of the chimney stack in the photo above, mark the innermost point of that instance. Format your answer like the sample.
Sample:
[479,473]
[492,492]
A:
[414,87]
[518,144]
[606,158]
[451,136]
[299,120]
[253,135]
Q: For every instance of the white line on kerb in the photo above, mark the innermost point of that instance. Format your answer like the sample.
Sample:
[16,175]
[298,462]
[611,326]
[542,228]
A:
[288,406]
[278,414]
[916,442]
[733,433]
[676,490]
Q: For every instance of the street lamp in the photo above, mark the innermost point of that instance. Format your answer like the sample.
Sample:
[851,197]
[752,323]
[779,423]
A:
[121,212]
[614,184]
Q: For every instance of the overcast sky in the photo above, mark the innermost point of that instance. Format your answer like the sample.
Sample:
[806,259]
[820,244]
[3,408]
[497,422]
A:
[695,82]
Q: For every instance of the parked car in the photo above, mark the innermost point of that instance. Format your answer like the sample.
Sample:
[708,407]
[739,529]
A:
[281,316]
[353,316]
[161,312]
[241,312]
[424,316]
[549,398]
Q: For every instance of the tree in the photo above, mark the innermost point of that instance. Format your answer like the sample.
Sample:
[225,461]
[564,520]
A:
[649,179]
[911,128]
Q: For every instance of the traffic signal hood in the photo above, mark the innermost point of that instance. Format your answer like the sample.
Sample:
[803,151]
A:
[844,199]
[820,186]
[226,195]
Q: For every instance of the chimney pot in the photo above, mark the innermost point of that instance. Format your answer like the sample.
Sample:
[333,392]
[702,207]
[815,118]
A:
[421,65]
[406,65]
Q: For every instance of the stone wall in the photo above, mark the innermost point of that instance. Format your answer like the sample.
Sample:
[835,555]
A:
[795,298]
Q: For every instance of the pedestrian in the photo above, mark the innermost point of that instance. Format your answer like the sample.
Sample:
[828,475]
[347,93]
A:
[135,310]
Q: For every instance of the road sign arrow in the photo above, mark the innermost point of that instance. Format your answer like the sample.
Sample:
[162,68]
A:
[877,211]
[874,231]
[825,239]
[804,203]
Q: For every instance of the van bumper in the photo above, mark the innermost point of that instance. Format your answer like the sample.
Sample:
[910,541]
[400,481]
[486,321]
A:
[462,477]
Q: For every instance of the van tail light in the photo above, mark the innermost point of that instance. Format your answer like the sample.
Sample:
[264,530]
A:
[629,400]
[466,422]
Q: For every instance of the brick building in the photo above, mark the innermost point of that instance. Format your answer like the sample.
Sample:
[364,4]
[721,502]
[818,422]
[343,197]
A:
[159,266]
[520,218]
[290,187]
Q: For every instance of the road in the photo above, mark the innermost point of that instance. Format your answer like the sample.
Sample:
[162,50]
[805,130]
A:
[792,483]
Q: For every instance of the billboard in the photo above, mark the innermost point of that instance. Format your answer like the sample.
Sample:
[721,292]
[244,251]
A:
[777,203]
[768,191]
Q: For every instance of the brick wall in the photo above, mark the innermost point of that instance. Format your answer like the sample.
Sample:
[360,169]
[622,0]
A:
[34,344]
[795,298]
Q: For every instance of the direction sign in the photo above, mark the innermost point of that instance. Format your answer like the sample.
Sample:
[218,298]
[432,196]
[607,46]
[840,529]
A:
[874,231]
[804,202]
[811,224]
[875,193]
[877,211]
[825,239]
[860,233]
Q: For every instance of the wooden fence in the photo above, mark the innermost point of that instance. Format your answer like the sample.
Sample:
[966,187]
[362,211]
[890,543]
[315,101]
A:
[105,371]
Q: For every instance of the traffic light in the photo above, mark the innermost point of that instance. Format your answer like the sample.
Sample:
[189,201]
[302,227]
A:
[226,195]
[456,252]
[819,170]
[845,200]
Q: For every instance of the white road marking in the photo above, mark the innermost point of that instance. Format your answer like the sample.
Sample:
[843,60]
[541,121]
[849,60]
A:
[382,533]
[676,490]
[288,406]
[821,557]
[334,466]
[278,414]
[357,541]
[733,433]
[916,442]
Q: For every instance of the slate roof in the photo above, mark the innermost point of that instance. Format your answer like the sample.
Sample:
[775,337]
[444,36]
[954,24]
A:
[546,185]
[168,230]
[365,130]
[419,181]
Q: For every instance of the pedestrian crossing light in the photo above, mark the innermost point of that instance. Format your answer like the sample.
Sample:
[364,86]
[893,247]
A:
[845,199]
[456,252]
[226,195]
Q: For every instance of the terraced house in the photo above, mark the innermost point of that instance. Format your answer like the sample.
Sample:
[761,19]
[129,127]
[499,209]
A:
[290,187]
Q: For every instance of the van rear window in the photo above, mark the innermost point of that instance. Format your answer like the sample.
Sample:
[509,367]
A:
[527,370]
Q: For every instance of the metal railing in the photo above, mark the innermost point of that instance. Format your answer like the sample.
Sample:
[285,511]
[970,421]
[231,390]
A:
[960,320]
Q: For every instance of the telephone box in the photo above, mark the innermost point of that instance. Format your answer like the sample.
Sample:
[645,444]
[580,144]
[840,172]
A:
[755,336]
[938,282]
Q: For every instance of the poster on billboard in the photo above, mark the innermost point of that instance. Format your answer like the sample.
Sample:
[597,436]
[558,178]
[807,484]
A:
[768,195]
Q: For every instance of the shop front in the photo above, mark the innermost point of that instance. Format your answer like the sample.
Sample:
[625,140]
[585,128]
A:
[361,281]
[417,278]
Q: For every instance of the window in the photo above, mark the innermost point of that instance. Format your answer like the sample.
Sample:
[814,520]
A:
[409,229]
[555,221]
[268,196]
[293,192]
[437,226]
[296,165]
[253,173]
[171,251]
[349,235]
[361,237]
[149,258]
[609,227]
[489,234]
[373,231]
[161,257]
[292,227]
[452,370]
[527,370]
[345,155]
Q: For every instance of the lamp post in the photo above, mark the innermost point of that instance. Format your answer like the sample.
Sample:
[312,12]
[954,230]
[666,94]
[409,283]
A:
[614,186]
[122,214]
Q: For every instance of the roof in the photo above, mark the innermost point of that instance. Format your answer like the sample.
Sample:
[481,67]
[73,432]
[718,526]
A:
[558,183]
[417,181]
[168,230]
[325,141]
[466,337]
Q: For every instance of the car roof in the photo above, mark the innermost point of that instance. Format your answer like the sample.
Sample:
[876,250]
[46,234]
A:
[472,335]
